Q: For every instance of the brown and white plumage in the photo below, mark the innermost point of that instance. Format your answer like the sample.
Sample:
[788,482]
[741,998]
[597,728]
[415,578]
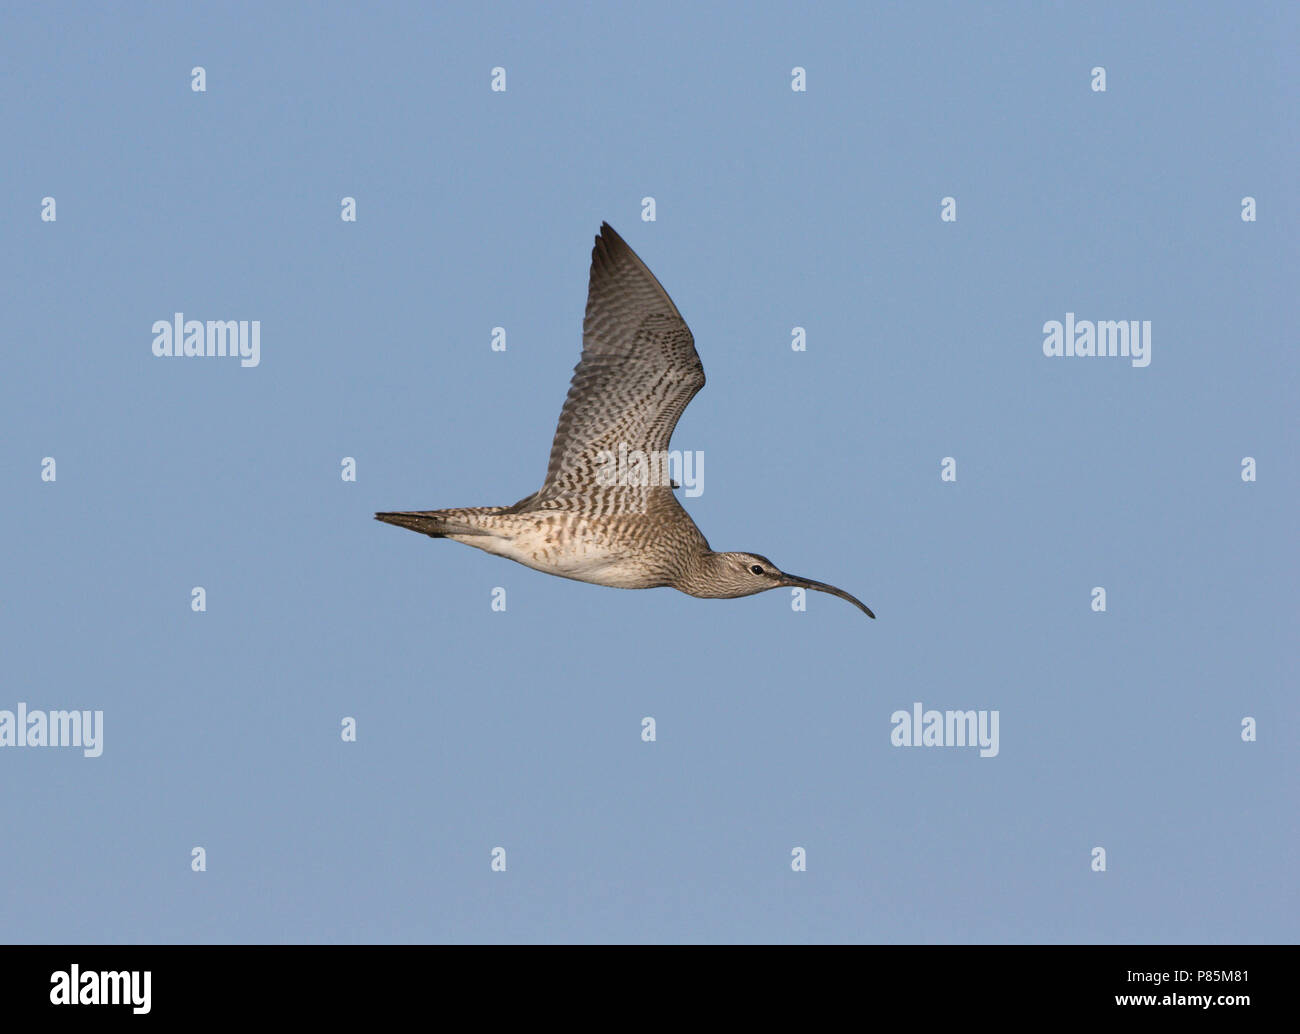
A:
[638,372]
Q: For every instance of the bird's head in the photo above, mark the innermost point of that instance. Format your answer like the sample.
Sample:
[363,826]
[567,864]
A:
[729,575]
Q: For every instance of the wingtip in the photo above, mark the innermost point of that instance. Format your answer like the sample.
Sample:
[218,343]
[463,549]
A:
[607,247]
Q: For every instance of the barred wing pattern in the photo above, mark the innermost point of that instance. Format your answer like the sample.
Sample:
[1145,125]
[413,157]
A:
[639,370]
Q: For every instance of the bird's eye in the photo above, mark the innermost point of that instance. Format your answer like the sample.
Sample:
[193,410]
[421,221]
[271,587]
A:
[757,569]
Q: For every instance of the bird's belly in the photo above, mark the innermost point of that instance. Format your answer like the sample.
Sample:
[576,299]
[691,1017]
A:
[581,559]
[617,574]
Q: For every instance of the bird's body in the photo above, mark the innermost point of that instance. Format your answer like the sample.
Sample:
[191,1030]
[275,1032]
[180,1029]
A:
[639,370]
[627,552]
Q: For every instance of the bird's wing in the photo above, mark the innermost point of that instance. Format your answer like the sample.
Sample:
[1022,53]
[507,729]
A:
[638,371]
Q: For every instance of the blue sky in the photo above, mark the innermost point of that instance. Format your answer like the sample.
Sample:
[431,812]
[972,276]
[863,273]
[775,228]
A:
[774,209]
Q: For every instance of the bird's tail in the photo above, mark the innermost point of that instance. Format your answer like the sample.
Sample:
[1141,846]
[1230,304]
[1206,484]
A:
[438,524]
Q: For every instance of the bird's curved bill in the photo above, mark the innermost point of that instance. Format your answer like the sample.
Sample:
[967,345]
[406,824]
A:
[807,583]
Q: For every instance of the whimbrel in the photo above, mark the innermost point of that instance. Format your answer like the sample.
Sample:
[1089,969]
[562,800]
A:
[638,371]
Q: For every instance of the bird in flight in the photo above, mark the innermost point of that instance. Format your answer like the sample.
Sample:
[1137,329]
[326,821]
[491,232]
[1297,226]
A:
[638,371]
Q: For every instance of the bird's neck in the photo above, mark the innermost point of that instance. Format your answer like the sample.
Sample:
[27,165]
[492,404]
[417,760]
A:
[699,576]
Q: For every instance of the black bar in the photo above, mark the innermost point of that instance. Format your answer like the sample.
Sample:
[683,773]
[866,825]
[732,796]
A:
[338,983]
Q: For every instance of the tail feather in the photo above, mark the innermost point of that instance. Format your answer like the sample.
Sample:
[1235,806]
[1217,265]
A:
[438,524]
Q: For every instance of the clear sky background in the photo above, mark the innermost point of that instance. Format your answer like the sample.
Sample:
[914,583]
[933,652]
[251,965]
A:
[522,729]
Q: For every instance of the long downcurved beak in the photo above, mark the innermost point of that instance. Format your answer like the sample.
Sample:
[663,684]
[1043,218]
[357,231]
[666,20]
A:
[807,583]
